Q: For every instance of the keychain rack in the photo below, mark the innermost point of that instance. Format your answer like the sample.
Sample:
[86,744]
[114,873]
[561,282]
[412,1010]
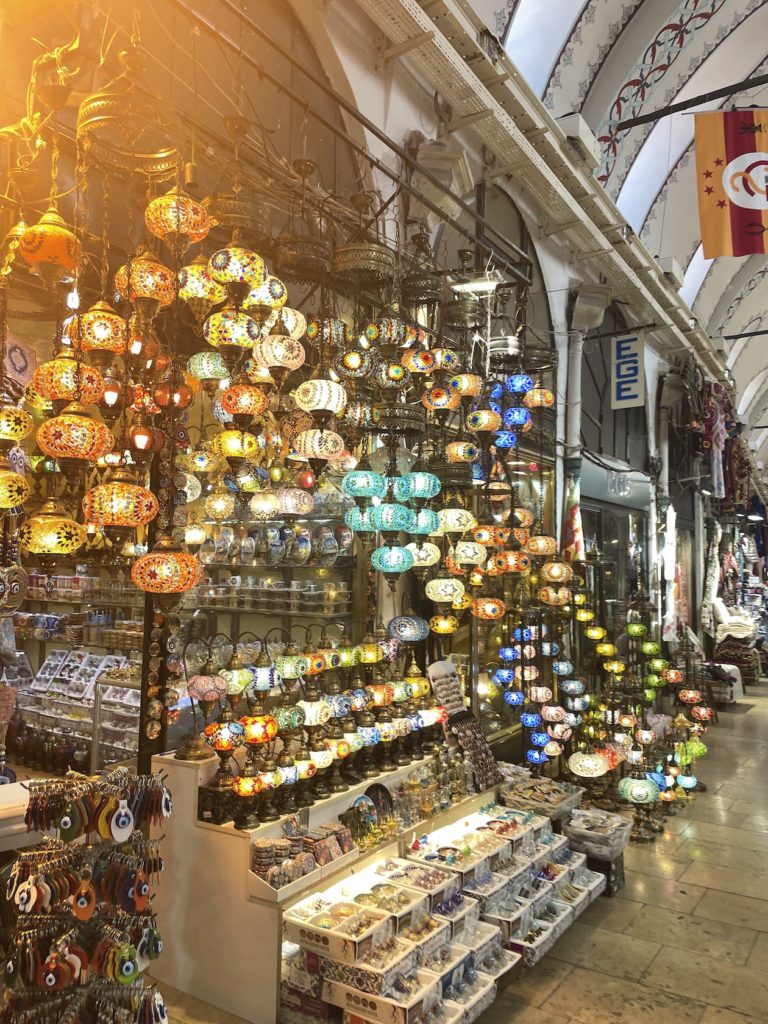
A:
[78,926]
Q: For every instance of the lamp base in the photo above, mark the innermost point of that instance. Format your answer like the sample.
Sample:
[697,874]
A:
[194,748]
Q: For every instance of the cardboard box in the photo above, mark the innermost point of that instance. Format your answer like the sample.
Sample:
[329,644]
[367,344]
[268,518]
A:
[380,1009]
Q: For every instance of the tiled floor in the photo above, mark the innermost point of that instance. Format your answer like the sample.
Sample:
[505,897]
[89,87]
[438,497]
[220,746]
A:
[687,940]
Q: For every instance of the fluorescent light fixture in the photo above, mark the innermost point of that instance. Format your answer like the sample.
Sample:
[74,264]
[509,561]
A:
[482,284]
[755,517]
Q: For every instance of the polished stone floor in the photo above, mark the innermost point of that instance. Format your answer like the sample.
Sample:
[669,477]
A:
[687,940]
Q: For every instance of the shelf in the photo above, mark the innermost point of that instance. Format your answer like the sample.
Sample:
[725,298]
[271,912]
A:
[95,602]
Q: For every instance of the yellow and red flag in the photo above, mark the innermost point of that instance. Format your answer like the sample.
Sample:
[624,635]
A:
[732,181]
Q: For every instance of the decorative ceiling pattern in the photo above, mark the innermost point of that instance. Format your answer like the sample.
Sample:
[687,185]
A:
[615,59]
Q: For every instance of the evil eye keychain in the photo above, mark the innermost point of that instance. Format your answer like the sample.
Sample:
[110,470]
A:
[149,947]
[122,822]
[71,823]
[25,896]
[126,966]
[84,900]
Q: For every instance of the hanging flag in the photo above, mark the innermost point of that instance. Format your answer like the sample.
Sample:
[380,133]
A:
[732,181]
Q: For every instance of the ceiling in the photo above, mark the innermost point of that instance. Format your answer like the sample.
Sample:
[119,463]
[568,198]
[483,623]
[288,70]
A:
[614,59]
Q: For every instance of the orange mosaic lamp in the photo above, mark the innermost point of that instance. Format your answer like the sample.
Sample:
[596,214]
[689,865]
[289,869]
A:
[120,503]
[243,401]
[50,248]
[51,532]
[15,425]
[67,379]
[74,437]
[166,569]
[100,331]
[177,219]
[14,487]
[147,284]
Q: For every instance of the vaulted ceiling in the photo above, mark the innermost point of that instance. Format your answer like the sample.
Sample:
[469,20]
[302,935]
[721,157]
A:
[614,59]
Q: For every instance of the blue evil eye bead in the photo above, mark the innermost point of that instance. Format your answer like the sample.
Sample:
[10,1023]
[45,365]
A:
[562,668]
[549,650]
[536,757]
[505,439]
[509,653]
[530,719]
[539,739]
[427,521]
[359,520]
[504,675]
[518,383]
[392,559]
[409,629]
[515,698]
[573,687]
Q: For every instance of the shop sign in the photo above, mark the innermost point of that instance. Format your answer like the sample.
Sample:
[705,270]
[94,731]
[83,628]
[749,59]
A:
[627,373]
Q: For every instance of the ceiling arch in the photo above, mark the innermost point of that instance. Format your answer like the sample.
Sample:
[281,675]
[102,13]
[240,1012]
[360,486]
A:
[614,59]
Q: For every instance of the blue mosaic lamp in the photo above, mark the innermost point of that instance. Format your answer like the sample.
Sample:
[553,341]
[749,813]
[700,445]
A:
[516,416]
[518,383]
[393,518]
[515,698]
[408,629]
[363,483]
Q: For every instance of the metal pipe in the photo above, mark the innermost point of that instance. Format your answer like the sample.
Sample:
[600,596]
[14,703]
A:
[694,101]
[203,22]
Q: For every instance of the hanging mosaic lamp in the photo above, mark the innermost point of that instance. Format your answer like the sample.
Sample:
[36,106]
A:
[230,330]
[198,290]
[51,531]
[235,446]
[147,284]
[244,402]
[67,379]
[14,487]
[50,248]
[100,331]
[266,299]
[177,219]
[166,569]
[238,270]
[74,438]
[220,505]
[120,503]
[209,368]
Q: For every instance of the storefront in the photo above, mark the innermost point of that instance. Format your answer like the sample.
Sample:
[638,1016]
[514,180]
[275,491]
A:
[296,527]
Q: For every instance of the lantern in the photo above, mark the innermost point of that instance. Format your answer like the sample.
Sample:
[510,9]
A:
[321,396]
[440,400]
[483,421]
[364,483]
[100,330]
[444,589]
[243,401]
[424,555]
[146,283]
[443,625]
[15,425]
[51,532]
[328,330]
[74,435]
[588,765]
[66,379]
[235,445]
[539,398]
[264,506]
[166,569]
[120,503]
[14,488]
[279,351]
[238,270]
[638,791]
[456,520]
[198,289]
[556,572]
[318,445]
[220,505]
[293,501]
[230,329]
[177,219]
[259,729]
[488,609]
[542,545]
[392,560]
[50,248]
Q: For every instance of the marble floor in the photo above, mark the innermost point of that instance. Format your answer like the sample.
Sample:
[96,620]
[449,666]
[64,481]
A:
[686,942]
